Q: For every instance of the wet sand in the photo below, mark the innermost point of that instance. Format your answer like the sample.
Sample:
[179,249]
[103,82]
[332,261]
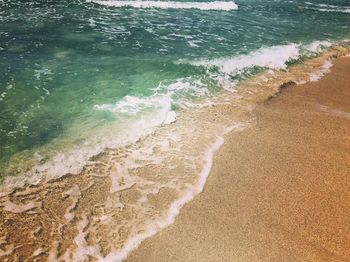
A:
[278,191]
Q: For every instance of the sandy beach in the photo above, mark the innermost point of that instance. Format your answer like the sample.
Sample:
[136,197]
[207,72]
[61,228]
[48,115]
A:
[278,191]
[278,188]
[152,131]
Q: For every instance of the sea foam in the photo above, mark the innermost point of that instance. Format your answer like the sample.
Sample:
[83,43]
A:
[318,46]
[328,8]
[323,70]
[216,5]
[274,57]
[141,116]
[177,158]
[83,250]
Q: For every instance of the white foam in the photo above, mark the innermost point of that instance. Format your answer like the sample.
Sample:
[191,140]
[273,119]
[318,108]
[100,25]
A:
[53,252]
[182,89]
[74,193]
[84,250]
[215,5]
[345,10]
[40,72]
[7,250]
[133,105]
[329,8]
[121,179]
[174,210]
[141,116]
[318,46]
[274,57]
[20,208]
[138,118]
[326,68]
[38,252]
[147,115]
[335,112]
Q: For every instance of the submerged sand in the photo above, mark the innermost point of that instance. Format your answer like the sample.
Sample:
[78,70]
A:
[278,191]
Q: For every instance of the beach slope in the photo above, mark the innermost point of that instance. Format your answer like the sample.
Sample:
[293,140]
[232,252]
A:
[279,190]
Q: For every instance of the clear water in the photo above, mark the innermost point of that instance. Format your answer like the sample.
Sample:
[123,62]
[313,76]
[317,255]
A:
[76,75]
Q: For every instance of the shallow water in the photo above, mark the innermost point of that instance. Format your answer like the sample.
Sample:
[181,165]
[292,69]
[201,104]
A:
[134,101]
[80,74]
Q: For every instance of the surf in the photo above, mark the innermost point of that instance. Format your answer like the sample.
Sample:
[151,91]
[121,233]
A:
[216,5]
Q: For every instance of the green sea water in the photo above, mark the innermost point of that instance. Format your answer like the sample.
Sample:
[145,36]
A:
[78,77]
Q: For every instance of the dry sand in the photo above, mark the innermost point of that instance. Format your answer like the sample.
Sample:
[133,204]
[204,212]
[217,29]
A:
[279,191]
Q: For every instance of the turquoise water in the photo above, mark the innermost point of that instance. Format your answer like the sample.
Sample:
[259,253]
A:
[76,75]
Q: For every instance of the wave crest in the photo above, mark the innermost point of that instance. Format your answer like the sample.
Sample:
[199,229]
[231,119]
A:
[329,8]
[274,57]
[215,5]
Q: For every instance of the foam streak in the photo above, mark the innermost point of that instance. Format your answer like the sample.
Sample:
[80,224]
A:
[216,5]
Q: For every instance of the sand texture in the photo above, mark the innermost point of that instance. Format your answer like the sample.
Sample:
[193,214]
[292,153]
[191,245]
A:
[278,191]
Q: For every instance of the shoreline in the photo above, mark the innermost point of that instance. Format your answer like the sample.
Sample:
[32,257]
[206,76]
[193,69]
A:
[277,190]
[53,160]
[99,203]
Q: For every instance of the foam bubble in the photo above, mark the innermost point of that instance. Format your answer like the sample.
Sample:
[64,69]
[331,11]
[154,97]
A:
[84,250]
[324,70]
[8,249]
[318,46]
[38,252]
[274,57]
[148,114]
[21,208]
[328,8]
[216,5]
[139,117]
[74,193]
[175,207]
[132,105]
[121,180]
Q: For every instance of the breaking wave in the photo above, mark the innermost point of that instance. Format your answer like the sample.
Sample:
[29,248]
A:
[329,8]
[216,5]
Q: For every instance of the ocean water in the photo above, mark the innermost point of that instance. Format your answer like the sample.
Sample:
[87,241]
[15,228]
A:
[82,78]
[72,68]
